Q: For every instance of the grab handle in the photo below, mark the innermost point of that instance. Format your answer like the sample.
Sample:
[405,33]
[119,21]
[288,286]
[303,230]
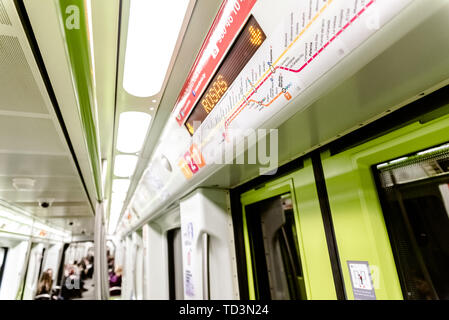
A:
[205,257]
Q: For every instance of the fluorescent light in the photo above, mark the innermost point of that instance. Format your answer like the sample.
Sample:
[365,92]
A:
[120,185]
[119,196]
[382,165]
[398,160]
[23,184]
[125,165]
[132,130]
[153,30]
[433,149]
[116,208]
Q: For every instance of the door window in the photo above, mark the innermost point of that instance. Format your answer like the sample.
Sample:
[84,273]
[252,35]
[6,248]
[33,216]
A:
[275,251]
[414,192]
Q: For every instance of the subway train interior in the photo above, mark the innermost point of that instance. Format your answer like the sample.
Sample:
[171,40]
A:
[148,147]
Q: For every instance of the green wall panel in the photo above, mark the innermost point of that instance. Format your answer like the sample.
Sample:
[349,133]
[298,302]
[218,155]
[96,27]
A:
[356,211]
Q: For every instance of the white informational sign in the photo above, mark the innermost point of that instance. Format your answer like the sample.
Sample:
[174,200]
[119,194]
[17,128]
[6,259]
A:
[362,284]
[187,242]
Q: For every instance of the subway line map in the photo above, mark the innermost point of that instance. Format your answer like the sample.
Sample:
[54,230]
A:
[311,40]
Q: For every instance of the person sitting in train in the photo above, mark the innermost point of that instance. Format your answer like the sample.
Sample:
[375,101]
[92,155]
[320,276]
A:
[44,288]
[71,287]
[66,291]
[90,267]
[115,282]
[82,273]
[81,268]
[84,265]
[111,264]
[50,272]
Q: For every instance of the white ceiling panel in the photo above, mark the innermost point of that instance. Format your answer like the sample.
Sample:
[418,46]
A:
[29,135]
[30,196]
[60,212]
[79,224]
[35,165]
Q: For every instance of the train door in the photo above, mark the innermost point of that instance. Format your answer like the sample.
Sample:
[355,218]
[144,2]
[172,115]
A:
[175,278]
[33,271]
[145,265]
[283,240]
[274,248]
[71,257]
[52,260]
[414,191]
[62,265]
[110,250]
[13,257]
[127,278]
[119,254]
[132,265]
[162,259]
[138,282]
[3,255]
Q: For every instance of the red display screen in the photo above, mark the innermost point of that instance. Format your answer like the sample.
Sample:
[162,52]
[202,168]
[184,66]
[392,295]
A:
[246,45]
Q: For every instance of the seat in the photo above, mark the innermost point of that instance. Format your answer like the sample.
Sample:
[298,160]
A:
[44,296]
[115,291]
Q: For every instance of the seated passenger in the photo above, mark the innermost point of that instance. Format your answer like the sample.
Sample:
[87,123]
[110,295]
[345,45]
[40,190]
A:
[115,282]
[82,268]
[50,272]
[110,264]
[71,285]
[90,267]
[82,273]
[44,288]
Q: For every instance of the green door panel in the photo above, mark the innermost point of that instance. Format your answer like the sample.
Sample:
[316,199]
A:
[319,271]
[356,211]
[314,254]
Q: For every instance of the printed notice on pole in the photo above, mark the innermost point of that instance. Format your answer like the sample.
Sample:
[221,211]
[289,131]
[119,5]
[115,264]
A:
[362,284]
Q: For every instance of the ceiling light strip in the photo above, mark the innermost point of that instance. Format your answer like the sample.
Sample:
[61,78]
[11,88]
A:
[132,131]
[153,31]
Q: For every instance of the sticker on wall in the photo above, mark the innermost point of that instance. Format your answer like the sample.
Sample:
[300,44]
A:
[188,235]
[189,257]
[189,284]
[362,284]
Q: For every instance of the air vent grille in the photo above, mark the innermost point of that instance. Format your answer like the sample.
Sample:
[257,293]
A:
[4,19]
[18,89]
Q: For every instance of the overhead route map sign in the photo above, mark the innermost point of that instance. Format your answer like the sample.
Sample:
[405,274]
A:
[227,24]
[313,38]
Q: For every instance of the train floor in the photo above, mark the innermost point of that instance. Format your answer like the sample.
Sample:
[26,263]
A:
[90,293]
